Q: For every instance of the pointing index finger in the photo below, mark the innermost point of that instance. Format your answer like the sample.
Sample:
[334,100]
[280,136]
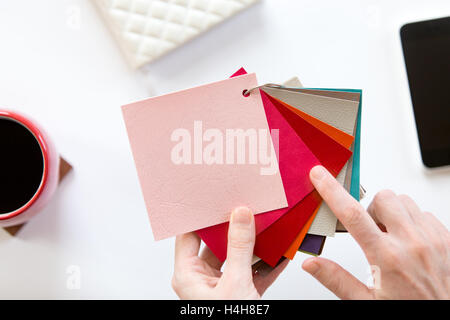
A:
[349,211]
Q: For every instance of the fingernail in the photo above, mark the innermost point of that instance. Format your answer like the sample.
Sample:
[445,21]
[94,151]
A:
[310,265]
[317,173]
[241,215]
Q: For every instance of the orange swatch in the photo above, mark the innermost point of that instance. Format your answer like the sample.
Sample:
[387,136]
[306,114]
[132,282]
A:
[337,135]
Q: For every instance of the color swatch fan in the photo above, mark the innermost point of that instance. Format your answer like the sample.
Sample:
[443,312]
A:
[148,29]
[203,151]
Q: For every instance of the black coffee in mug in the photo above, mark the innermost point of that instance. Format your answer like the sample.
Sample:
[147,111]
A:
[21,165]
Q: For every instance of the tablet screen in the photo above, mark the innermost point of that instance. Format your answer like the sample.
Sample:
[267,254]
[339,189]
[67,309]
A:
[426,47]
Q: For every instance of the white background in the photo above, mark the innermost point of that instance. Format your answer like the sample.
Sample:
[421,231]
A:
[74,80]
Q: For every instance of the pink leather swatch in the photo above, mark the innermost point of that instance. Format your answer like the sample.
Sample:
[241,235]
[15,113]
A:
[295,161]
[185,197]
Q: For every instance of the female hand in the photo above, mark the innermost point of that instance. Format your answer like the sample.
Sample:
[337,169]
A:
[200,277]
[408,247]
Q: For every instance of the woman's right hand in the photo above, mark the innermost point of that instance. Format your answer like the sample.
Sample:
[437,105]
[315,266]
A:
[408,249]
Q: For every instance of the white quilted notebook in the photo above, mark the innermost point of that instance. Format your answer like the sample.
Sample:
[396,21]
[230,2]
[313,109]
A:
[147,29]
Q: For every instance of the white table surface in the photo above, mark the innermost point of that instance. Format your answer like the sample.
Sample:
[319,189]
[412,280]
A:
[59,64]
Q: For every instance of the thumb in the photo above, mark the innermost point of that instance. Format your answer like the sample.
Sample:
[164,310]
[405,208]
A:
[336,279]
[241,240]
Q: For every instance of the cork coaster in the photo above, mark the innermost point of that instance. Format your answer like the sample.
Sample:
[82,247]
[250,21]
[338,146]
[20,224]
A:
[64,169]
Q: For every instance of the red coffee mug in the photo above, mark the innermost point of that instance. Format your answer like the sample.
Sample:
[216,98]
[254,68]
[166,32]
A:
[50,174]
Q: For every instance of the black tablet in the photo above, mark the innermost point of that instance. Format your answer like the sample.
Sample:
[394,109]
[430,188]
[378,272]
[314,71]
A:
[426,48]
